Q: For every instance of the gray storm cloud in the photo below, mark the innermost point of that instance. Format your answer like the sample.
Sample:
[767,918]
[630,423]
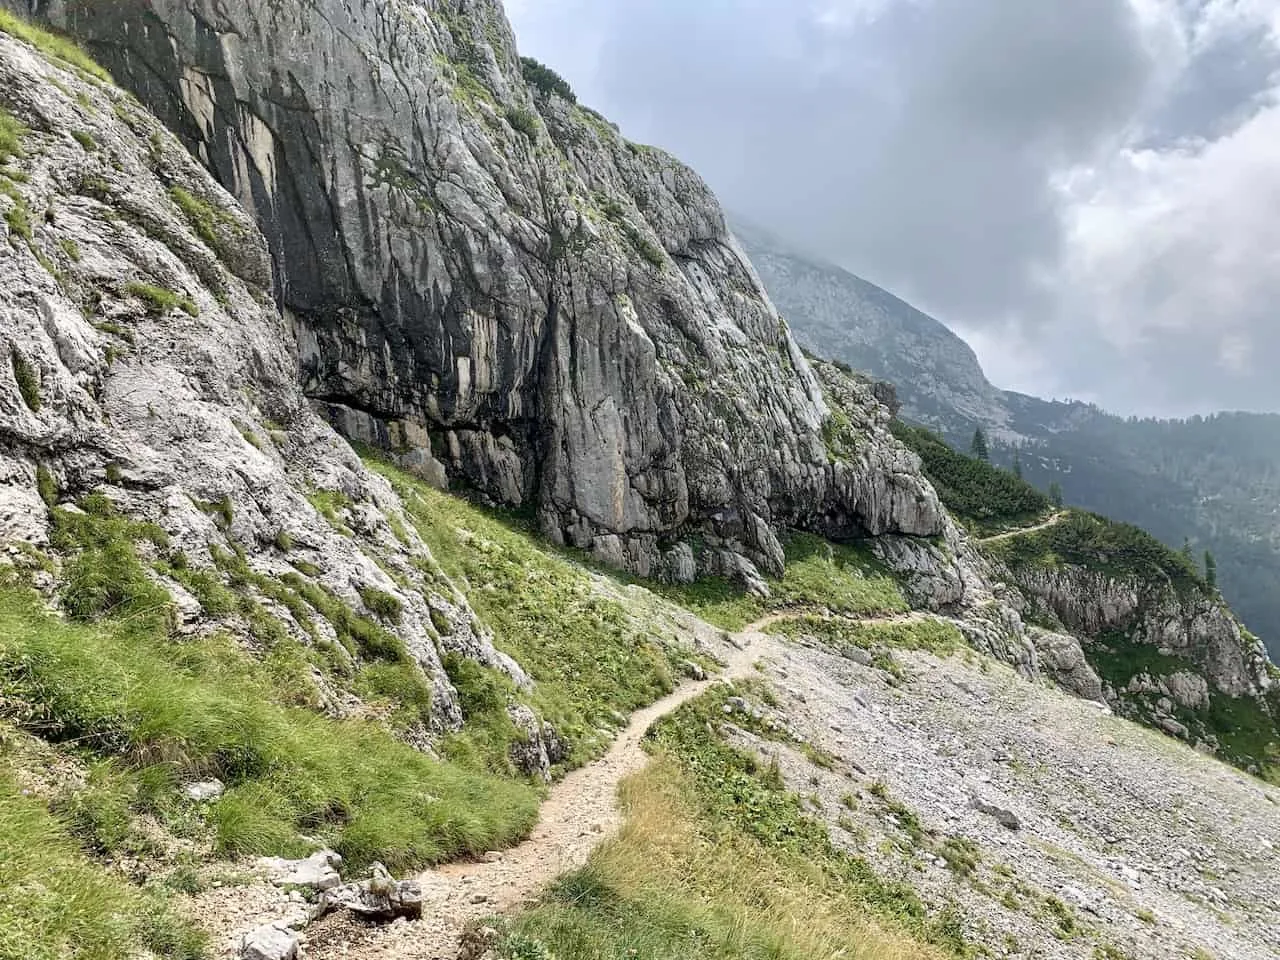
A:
[1096,179]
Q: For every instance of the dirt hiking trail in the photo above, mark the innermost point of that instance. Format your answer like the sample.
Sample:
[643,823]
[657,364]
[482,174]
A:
[1024,531]
[579,813]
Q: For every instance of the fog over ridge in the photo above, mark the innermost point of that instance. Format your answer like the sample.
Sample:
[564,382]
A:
[1086,191]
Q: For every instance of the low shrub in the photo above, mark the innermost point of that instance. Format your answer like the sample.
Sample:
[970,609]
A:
[545,80]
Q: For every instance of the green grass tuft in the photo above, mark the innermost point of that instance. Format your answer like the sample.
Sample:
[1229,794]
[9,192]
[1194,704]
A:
[103,575]
[215,227]
[18,218]
[381,604]
[60,906]
[70,248]
[524,120]
[51,44]
[400,687]
[222,511]
[486,740]
[330,504]
[47,486]
[12,132]
[160,301]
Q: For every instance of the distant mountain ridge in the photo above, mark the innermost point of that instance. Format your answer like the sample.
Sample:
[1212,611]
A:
[937,374]
[1213,482]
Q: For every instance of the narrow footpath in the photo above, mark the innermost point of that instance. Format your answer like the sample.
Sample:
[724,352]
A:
[1023,531]
[580,813]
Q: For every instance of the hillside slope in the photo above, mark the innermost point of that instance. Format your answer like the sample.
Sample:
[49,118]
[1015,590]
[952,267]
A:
[228,640]
[1214,481]
[1117,615]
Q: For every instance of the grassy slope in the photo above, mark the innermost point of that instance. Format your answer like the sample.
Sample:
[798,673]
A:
[842,578]
[718,860]
[59,905]
[170,711]
[592,661]
[984,498]
[145,711]
[1096,543]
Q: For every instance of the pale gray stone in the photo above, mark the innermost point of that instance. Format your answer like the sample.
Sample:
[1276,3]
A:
[317,872]
[204,791]
[269,943]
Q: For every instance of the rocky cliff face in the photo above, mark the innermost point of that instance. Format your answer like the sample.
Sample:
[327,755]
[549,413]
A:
[945,573]
[494,283]
[481,277]
[143,360]
[1177,659]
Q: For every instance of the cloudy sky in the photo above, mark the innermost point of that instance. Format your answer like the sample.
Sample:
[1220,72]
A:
[1087,190]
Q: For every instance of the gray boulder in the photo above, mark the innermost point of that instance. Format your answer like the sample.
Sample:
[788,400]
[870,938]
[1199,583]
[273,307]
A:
[381,898]
[269,943]
[1006,818]
[205,791]
[317,872]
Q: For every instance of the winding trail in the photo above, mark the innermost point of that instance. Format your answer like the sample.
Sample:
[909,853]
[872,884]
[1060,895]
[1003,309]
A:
[580,812]
[1023,531]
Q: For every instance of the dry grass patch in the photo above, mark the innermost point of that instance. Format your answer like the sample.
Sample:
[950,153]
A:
[674,885]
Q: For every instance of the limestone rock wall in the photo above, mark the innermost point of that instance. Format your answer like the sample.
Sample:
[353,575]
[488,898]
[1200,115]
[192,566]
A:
[142,357]
[496,284]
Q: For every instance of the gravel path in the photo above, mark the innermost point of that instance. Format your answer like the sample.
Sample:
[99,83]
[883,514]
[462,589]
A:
[1151,848]
[1023,531]
[580,812]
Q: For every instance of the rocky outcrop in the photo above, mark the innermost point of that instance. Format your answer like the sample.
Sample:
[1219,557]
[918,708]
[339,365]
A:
[143,359]
[1064,662]
[1189,625]
[492,282]
[943,573]
[1173,657]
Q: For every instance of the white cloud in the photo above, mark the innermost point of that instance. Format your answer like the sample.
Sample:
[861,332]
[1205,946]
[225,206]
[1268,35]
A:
[1175,253]
[1089,195]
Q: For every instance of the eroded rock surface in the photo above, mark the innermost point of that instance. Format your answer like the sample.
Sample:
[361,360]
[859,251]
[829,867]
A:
[1176,658]
[143,359]
[494,283]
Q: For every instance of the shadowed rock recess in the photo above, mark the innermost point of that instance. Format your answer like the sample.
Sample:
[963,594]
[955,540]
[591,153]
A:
[493,283]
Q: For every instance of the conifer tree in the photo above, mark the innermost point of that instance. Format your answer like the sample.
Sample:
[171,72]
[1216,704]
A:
[979,446]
